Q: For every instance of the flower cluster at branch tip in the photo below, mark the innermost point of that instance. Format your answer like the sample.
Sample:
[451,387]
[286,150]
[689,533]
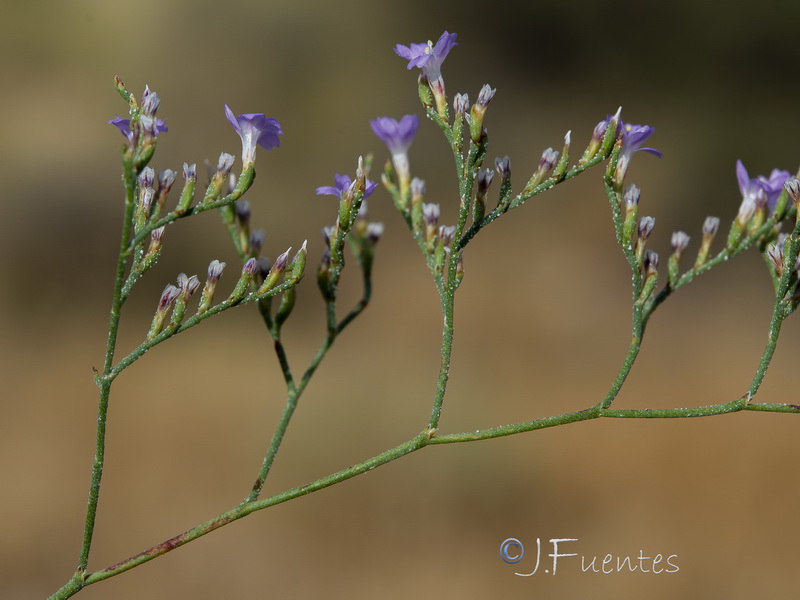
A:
[342,184]
[149,124]
[254,129]
[760,190]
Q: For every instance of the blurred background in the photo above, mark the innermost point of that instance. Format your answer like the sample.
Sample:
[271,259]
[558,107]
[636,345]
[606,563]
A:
[542,316]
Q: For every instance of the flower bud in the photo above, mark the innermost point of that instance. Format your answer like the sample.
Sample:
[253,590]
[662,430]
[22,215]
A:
[503,166]
[446,234]
[168,297]
[323,276]
[478,111]
[680,240]
[484,180]
[646,225]
[546,163]
[631,201]
[215,269]
[710,227]
[256,241]
[299,262]
[775,255]
[374,232]
[248,272]
[275,273]
[187,194]
[460,105]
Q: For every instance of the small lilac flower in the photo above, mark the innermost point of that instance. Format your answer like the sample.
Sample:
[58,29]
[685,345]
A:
[343,183]
[397,135]
[760,187]
[124,126]
[428,57]
[254,129]
[633,136]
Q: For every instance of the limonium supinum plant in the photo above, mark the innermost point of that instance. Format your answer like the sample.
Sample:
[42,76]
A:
[766,221]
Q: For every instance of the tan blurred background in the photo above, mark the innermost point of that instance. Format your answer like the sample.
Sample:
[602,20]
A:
[542,321]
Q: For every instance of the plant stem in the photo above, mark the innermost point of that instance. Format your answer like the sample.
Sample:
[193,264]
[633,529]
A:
[294,391]
[416,443]
[129,178]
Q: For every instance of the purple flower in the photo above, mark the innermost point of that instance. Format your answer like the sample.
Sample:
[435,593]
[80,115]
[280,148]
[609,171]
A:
[428,57]
[254,128]
[770,187]
[124,126]
[397,135]
[633,136]
[343,183]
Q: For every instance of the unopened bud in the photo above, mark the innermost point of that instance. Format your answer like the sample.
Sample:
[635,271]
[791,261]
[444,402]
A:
[215,269]
[430,214]
[146,178]
[646,225]
[478,111]
[792,187]
[710,227]
[631,200]
[546,163]
[323,276]
[417,189]
[484,180]
[650,263]
[650,266]
[275,273]
[225,163]
[248,272]
[374,232]
[680,240]
[299,262]
[168,297]
[165,180]
[187,194]
[459,270]
[460,105]
[775,255]
[594,144]
[446,234]
[242,211]
[150,102]
[503,166]
[256,241]
[154,249]
[187,285]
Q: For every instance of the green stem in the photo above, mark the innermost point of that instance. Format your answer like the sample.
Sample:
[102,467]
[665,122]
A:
[448,299]
[129,178]
[295,391]
[416,443]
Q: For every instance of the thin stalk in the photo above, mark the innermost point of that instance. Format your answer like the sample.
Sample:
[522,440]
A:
[294,391]
[448,299]
[129,178]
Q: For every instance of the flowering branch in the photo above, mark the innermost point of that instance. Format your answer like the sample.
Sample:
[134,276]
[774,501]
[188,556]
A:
[764,208]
